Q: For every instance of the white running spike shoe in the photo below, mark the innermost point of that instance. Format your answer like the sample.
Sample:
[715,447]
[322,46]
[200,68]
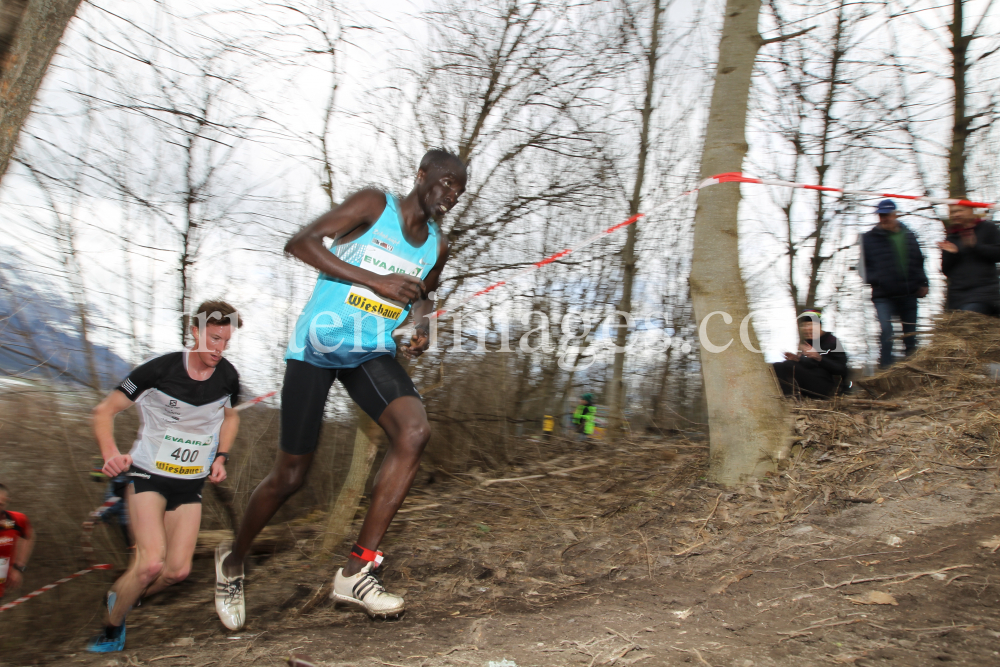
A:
[365,589]
[229,603]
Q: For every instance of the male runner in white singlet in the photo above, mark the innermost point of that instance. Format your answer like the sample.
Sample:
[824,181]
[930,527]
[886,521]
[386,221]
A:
[387,256]
[186,402]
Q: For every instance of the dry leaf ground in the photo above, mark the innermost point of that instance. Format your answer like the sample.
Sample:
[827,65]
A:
[640,560]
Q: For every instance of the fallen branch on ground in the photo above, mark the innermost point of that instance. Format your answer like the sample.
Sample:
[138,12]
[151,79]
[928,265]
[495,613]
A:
[730,580]
[547,474]
[910,577]
[818,626]
[697,654]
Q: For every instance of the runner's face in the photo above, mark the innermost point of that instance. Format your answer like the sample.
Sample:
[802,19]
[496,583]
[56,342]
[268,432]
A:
[214,344]
[442,186]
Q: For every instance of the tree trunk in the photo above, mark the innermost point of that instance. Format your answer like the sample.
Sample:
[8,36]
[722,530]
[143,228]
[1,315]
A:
[748,424]
[35,39]
[616,395]
[960,129]
[11,13]
[187,258]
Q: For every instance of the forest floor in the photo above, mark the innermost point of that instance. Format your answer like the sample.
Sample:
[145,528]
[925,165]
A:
[876,542]
[632,560]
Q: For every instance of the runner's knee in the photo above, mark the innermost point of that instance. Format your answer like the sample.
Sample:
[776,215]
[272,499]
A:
[286,481]
[413,439]
[171,577]
[148,571]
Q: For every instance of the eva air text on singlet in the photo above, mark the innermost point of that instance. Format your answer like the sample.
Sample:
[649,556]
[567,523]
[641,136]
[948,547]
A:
[380,262]
[185,454]
[345,324]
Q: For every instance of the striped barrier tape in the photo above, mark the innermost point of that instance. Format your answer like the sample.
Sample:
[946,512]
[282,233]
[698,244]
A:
[254,401]
[730,177]
[736,177]
[44,589]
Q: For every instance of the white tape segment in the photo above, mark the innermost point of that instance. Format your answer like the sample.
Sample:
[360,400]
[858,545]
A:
[44,589]
[254,401]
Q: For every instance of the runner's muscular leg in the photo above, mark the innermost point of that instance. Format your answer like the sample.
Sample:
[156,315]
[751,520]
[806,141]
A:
[286,477]
[181,526]
[146,512]
[405,422]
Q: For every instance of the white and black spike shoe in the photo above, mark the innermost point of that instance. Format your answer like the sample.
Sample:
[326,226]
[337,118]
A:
[229,603]
[365,589]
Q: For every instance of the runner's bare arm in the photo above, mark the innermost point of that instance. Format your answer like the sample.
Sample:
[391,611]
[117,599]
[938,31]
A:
[103,422]
[360,209]
[227,434]
[24,547]
[421,337]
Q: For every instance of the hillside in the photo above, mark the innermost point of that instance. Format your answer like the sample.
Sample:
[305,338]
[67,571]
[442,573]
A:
[875,543]
[36,341]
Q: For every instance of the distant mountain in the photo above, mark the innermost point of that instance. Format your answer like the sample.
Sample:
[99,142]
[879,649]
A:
[39,336]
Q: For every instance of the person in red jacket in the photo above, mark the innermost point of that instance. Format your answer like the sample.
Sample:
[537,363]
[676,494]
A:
[17,539]
[969,257]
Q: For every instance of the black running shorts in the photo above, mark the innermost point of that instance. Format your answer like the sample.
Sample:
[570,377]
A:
[177,491]
[373,385]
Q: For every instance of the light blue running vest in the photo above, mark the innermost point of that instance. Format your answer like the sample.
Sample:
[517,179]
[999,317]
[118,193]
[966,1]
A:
[344,325]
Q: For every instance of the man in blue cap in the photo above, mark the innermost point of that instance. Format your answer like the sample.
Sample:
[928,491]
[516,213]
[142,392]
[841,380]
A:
[894,267]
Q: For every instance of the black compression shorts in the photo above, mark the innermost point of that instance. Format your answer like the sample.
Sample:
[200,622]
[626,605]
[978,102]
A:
[177,491]
[373,385]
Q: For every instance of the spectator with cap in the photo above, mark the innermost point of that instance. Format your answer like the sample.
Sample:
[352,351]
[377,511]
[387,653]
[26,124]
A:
[894,267]
[819,368]
[969,256]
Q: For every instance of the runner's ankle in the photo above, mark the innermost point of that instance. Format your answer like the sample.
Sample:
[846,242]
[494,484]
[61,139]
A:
[354,565]
[230,566]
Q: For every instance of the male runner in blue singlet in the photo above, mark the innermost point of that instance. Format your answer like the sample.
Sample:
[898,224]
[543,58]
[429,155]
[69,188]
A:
[387,256]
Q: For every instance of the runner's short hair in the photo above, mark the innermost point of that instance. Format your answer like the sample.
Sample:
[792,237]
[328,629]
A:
[438,156]
[3,488]
[217,312]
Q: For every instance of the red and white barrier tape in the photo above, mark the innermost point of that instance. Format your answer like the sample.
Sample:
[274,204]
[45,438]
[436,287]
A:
[43,589]
[736,177]
[562,253]
[254,401]
[731,177]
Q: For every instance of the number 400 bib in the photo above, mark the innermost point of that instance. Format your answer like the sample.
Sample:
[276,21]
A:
[184,453]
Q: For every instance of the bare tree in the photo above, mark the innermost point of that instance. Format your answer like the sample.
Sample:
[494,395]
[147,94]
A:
[748,424]
[963,121]
[652,55]
[36,31]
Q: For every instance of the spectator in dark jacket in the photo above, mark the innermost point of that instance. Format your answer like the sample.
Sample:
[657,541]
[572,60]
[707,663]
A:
[894,267]
[969,257]
[819,368]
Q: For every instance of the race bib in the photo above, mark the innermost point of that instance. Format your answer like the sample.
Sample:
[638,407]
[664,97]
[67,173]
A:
[382,263]
[4,565]
[184,453]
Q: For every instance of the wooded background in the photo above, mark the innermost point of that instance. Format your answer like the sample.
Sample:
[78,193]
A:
[174,146]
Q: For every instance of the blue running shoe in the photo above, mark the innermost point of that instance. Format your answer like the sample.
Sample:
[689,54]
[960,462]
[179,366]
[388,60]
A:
[111,640]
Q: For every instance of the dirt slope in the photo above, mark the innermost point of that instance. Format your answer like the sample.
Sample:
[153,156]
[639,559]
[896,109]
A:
[874,542]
